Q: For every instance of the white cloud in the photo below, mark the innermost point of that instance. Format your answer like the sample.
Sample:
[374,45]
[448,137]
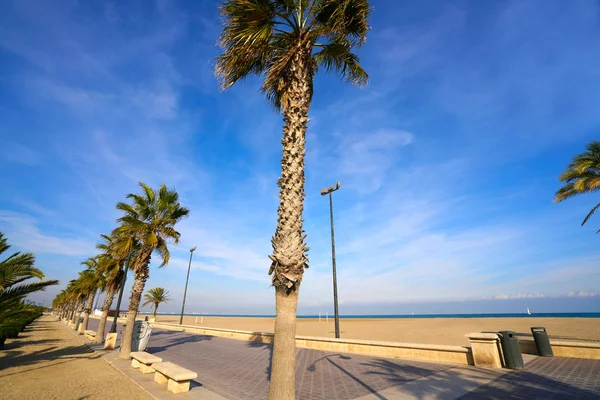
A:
[22,231]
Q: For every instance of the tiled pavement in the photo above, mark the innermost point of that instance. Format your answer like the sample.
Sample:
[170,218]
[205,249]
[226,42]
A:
[239,370]
[545,378]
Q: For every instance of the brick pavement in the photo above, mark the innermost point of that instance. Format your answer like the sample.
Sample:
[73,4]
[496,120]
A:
[239,370]
[545,378]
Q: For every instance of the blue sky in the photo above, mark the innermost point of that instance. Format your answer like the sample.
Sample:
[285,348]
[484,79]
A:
[448,159]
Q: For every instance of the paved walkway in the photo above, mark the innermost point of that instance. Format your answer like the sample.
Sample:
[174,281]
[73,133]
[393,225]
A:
[237,369]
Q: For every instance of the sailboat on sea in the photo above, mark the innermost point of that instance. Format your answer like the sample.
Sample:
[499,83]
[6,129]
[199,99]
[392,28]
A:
[528,311]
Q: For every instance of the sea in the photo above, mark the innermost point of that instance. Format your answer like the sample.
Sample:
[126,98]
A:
[507,315]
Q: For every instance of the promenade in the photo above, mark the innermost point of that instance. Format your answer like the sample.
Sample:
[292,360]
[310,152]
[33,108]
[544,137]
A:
[237,369]
[48,361]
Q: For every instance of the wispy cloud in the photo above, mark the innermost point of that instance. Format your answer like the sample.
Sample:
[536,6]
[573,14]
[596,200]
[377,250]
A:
[23,232]
[447,159]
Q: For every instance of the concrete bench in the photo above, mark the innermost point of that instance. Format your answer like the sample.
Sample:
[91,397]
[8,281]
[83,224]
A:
[144,361]
[89,334]
[177,378]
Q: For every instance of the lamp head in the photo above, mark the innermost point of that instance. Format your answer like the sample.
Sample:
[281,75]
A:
[192,249]
[337,186]
[324,191]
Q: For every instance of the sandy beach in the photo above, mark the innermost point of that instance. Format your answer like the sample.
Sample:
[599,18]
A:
[412,330]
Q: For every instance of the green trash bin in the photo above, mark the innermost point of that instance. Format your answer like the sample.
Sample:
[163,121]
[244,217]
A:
[542,342]
[511,350]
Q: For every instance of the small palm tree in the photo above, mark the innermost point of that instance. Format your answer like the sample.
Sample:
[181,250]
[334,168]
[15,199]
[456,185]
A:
[287,42]
[17,268]
[582,176]
[156,296]
[150,220]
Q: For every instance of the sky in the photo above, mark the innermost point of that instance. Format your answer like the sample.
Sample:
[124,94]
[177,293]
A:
[448,159]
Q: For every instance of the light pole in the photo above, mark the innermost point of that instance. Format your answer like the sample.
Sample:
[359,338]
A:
[186,283]
[113,327]
[324,192]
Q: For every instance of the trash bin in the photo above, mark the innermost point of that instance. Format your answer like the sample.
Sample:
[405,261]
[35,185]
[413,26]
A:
[511,350]
[541,341]
[141,335]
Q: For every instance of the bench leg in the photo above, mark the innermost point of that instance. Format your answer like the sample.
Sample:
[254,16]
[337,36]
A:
[178,387]
[160,378]
[146,369]
[135,363]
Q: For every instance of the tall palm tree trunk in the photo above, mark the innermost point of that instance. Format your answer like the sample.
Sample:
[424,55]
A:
[110,294]
[76,311]
[140,275]
[283,371]
[289,250]
[155,310]
[87,311]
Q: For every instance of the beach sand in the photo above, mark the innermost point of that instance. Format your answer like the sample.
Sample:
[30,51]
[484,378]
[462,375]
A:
[48,361]
[449,331]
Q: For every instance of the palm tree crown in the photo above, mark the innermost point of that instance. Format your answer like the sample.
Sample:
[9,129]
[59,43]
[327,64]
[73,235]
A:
[582,176]
[156,296]
[269,37]
[150,221]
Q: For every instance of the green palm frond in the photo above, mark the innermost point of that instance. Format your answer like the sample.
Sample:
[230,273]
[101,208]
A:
[17,268]
[156,296]
[263,38]
[20,291]
[149,221]
[581,176]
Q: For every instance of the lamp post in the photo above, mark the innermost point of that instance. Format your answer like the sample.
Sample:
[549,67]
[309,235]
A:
[186,283]
[324,192]
[113,327]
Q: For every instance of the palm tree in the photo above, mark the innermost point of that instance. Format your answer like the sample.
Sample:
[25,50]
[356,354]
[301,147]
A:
[156,296]
[90,280]
[286,42]
[150,220]
[112,264]
[582,176]
[17,268]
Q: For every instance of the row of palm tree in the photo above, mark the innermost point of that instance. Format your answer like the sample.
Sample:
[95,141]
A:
[286,42]
[15,311]
[146,227]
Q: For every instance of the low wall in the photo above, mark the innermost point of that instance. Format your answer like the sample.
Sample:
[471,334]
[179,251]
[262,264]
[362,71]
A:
[412,351]
[565,348]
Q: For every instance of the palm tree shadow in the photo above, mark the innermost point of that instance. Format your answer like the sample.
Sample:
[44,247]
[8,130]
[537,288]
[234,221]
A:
[179,339]
[501,385]
[13,358]
[256,341]
[313,367]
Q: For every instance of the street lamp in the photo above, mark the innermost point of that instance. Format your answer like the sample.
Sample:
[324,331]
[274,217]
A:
[113,327]
[324,192]
[186,283]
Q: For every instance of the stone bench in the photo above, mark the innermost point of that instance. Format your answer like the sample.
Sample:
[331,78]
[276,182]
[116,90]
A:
[90,334]
[144,361]
[177,378]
